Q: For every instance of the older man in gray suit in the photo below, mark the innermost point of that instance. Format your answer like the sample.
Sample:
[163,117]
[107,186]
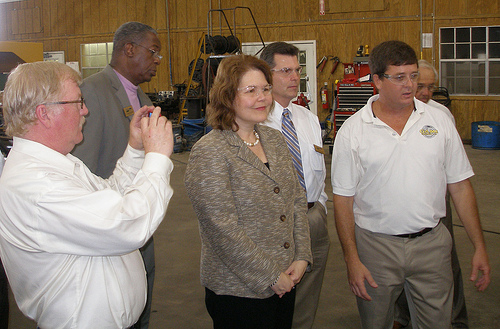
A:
[112,96]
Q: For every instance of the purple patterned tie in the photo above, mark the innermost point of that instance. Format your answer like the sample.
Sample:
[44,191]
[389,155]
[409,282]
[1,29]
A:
[292,141]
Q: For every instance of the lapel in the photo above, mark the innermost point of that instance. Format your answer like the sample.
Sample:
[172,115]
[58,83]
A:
[119,90]
[143,98]
[245,154]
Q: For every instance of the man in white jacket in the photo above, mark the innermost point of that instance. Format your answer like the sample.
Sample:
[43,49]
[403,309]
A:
[69,239]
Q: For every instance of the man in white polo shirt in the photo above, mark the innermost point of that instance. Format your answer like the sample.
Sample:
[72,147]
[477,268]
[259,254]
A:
[392,163]
[427,80]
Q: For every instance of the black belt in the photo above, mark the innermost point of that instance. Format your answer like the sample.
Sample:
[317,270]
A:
[414,235]
[310,205]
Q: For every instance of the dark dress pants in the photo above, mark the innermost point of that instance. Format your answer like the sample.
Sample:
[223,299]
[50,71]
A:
[230,312]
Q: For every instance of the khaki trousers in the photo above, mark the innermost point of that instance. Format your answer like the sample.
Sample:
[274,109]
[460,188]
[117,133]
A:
[421,265]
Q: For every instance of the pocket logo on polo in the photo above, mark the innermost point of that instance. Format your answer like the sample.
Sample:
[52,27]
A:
[428,131]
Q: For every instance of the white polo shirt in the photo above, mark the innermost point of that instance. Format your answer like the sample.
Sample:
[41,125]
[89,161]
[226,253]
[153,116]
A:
[443,108]
[398,182]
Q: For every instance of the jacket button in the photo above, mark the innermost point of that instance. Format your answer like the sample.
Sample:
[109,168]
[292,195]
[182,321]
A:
[283,218]
[276,190]
[286,245]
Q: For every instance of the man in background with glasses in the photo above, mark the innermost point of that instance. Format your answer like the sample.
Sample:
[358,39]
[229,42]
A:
[392,163]
[308,156]
[69,239]
[112,96]
[426,86]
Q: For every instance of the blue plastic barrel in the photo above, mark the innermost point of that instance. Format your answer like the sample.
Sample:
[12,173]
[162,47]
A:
[193,131]
[485,135]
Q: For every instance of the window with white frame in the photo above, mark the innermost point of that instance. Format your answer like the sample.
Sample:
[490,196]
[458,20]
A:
[94,57]
[470,60]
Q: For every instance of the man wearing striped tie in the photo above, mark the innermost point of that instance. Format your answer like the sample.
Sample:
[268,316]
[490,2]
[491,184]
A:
[302,133]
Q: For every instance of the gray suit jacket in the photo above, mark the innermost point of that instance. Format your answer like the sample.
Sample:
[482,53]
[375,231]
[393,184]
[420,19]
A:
[253,221]
[106,130]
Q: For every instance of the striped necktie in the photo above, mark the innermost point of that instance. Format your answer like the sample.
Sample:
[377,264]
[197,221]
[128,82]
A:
[292,141]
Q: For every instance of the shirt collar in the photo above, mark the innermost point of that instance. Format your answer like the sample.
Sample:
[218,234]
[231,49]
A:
[367,112]
[278,111]
[45,154]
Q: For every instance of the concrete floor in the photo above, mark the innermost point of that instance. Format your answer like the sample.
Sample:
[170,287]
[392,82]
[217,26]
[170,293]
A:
[178,301]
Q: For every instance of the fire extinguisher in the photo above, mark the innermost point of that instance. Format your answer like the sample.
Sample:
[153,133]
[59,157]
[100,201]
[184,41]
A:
[324,96]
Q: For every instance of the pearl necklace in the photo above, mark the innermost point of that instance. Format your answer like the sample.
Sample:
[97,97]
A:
[254,143]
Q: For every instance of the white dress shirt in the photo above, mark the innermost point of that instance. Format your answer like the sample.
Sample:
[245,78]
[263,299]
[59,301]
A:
[309,134]
[69,239]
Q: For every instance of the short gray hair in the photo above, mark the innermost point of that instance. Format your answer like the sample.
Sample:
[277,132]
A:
[423,64]
[30,85]
[130,32]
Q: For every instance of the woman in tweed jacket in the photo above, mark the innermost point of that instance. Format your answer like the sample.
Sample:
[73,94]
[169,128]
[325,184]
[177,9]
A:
[250,205]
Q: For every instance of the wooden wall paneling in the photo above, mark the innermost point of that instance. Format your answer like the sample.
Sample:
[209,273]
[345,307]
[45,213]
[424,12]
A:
[491,110]
[199,14]
[241,16]
[44,18]
[299,13]
[94,16]
[149,16]
[191,14]
[182,14]
[347,5]
[29,16]
[86,19]
[72,15]
[298,33]
[402,8]
[312,10]
[270,35]
[260,12]
[104,16]
[131,11]
[21,20]
[112,9]
[46,45]
[160,15]
[37,19]
[411,33]
[3,18]
[141,11]
[462,117]
[14,19]
[51,23]
[78,17]
[174,40]
[376,5]
[286,33]
[121,15]
[163,70]
[451,8]
[22,11]
[72,51]
[60,17]
[170,19]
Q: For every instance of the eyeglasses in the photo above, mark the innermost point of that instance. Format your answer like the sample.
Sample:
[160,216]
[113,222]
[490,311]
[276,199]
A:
[401,79]
[81,101]
[431,88]
[286,71]
[152,51]
[254,91]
